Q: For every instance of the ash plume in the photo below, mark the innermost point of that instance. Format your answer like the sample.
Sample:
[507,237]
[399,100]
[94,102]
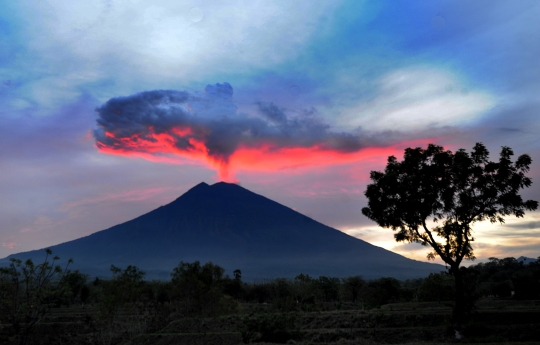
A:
[208,126]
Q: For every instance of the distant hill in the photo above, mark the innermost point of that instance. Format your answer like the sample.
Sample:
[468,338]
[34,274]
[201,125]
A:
[236,229]
[526,260]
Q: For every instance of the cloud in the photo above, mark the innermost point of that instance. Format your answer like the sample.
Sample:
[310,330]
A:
[517,237]
[415,98]
[524,225]
[9,245]
[110,45]
[125,196]
[179,126]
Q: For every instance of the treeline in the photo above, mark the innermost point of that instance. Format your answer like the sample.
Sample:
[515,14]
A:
[502,278]
[206,290]
[127,304]
[508,277]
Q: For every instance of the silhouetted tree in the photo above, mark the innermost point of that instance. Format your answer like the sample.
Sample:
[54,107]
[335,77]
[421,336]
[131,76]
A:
[237,274]
[29,291]
[437,287]
[304,289]
[329,286]
[353,285]
[383,291]
[526,285]
[199,289]
[75,281]
[454,190]
[123,291]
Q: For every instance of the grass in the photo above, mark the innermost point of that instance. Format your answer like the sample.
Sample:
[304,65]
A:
[496,322]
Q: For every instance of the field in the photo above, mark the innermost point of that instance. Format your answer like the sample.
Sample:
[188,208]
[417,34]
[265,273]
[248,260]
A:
[496,321]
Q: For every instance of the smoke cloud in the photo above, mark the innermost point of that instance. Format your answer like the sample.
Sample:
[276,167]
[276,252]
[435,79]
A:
[173,126]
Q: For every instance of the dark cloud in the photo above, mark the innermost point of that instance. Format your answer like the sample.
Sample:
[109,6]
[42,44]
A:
[524,225]
[178,122]
[532,225]
[513,249]
[519,234]
[272,112]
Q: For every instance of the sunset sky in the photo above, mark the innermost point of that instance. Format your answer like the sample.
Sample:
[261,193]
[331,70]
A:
[112,108]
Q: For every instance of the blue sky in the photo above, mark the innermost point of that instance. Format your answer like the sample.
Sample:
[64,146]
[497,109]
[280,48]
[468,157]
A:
[334,88]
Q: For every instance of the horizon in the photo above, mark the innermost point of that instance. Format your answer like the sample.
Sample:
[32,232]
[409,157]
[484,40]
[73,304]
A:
[111,110]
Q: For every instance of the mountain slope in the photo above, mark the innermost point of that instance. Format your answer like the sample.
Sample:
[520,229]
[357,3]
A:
[234,228]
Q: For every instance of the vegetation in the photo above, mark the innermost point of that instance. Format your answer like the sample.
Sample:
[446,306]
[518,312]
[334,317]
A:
[29,291]
[201,304]
[454,190]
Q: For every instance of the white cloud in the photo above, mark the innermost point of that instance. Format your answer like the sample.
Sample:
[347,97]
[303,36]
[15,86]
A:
[418,97]
[160,41]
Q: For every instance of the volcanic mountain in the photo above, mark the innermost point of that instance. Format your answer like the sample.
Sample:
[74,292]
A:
[236,229]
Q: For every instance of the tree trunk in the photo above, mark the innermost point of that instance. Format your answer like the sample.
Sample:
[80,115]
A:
[459,311]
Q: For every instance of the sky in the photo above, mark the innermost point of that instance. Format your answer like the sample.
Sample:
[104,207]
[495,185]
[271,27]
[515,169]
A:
[112,108]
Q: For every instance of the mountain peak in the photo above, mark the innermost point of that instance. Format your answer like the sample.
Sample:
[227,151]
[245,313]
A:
[195,190]
[201,185]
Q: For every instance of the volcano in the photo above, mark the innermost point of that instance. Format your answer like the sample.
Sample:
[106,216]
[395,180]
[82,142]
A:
[236,229]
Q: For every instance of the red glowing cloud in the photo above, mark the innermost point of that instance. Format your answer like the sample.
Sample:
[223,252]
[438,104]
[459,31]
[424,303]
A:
[178,127]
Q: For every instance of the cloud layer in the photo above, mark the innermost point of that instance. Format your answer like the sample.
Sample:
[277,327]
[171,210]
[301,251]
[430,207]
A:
[418,97]
[171,125]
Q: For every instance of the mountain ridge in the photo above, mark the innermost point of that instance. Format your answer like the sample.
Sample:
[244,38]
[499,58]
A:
[236,229]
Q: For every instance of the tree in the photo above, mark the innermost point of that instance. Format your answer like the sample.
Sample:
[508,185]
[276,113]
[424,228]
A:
[237,274]
[75,281]
[233,287]
[383,291]
[353,285]
[29,291]
[122,293]
[198,290]
[329,286]
[454,190]
[437,287]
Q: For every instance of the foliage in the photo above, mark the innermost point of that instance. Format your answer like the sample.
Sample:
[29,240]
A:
[206,275]
[125,287]
[124,290]
[75,281]
[383,291]
[329,287]
[198,290]
[305,289]
[353,286]
[437,287]
[259,292]
[29,291]
[509,277]
[455,189]
[526,285]
[132,310]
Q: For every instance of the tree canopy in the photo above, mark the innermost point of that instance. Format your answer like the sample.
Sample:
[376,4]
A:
[454,190]
[29,291]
